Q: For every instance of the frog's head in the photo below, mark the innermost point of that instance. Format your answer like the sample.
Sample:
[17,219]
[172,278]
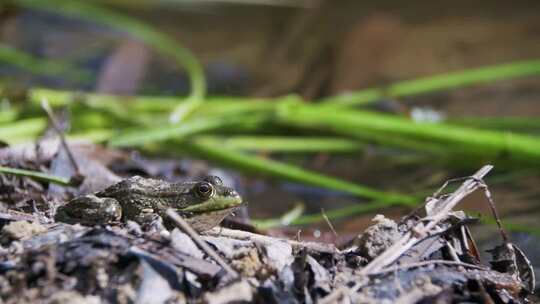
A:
[211,195]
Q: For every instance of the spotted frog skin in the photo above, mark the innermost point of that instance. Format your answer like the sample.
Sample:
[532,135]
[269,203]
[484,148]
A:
[204,204]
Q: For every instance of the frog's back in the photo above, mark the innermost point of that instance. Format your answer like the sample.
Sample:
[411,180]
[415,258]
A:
[132,185]
[137,194]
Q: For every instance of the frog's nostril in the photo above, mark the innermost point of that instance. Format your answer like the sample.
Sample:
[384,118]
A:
[233,193]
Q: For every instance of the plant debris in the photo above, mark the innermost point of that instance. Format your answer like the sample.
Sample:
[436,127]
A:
[428,259]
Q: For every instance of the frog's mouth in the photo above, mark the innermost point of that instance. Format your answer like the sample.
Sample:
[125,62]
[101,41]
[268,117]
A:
[216,203]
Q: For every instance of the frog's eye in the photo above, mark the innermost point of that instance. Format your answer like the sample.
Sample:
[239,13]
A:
[204,189]
[214,180]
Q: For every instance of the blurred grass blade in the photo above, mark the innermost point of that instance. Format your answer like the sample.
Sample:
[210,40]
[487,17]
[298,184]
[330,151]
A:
[507,123]
[184,109]
[293,214]
[97,136]
[439,82]
[286,144]
[284,220]
[515,227]
[147,34]
[357,209]
[140,137]
[272,168]
[22,130]
[314,218]
[7,114]
[218,106]
[36,175]
[40,66]
[482,145]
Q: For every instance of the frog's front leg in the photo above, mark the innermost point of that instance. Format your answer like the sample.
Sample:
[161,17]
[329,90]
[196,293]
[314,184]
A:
[149,221]
[90,210]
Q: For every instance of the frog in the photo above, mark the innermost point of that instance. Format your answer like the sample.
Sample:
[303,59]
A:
[204,203]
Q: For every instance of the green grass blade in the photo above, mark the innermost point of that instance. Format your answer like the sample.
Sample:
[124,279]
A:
[352,210]
[147,34]
[185,109]
[283,220]
[508,123]
[333,214]
[140,137]
[438,83]
[285,144]
[40,66]
[22,130]
[36,175]
[483,145]
[7,115]
[511,226]
[275,169]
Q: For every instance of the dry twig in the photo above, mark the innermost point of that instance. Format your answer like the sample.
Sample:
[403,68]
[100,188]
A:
[262,239]
[78,177]
[441,207]
[182,224]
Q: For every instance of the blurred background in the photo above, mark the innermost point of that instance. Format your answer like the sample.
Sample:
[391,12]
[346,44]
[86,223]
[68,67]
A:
[313,109]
